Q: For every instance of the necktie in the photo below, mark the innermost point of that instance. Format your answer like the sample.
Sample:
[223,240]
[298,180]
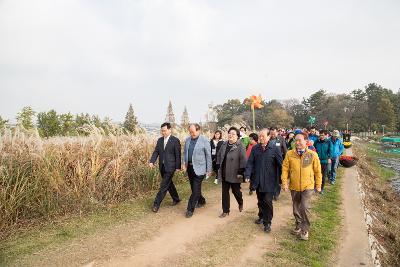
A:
[300,152]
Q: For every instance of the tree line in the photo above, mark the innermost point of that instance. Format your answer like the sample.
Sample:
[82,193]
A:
[362,109]
[50,123]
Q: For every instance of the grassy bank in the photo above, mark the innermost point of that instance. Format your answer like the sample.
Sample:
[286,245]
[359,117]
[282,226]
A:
[324,234]
[381,200]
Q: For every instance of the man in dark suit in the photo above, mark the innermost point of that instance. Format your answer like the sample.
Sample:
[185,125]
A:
[168,152]
[277,141]
[263,167]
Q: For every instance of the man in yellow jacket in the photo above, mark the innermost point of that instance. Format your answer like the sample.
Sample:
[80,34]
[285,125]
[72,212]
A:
[301,173]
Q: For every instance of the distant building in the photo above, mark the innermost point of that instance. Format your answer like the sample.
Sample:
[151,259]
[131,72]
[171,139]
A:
[170,117]
[185,119]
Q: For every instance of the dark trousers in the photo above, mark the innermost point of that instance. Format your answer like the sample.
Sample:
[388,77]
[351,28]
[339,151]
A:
[215,166]
[251,187]
[226,200]
[301,208]
[166,185]
[195,184]
[278,188]
[265,206]
[324,170]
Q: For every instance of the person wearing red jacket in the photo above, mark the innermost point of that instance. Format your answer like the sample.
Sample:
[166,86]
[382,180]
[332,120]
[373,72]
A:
[253,141]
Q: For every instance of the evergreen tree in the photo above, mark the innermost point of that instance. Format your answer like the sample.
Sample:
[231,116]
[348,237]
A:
[25,117]
[49,123]
[230,111]
[68,125]
[386,114]
[130,122]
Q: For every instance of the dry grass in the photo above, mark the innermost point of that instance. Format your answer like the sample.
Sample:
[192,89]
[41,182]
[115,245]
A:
[43,178]
[383,203]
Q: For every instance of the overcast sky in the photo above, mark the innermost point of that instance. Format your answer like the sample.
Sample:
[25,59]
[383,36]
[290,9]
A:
[99,56]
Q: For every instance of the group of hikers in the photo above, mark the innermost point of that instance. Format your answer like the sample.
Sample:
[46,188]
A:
[299,160]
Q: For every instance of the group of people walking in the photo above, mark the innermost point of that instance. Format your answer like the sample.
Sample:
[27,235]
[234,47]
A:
[295,160]
[197,163]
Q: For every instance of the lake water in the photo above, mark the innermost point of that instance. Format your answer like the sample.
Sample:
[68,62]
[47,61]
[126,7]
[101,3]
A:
[394,164]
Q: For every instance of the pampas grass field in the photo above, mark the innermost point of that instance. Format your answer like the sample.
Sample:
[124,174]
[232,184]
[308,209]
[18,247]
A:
[42,178]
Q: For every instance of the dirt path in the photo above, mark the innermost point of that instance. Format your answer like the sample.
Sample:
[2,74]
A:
[172,241]
[260,244]
[354,250]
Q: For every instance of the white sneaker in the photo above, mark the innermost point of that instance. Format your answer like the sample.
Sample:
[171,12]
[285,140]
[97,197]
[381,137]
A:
[303,236]
[296,231]
[216,181]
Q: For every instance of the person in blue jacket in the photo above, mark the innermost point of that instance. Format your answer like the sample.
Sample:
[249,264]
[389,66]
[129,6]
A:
[313,135]
[336,151]
[323,147]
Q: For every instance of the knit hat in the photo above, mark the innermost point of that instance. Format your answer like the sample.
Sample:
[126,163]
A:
[335,133]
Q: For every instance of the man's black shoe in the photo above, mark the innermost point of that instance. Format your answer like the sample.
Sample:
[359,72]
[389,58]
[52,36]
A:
[155,208]
[199,205]
[189,214]
[174,203]
[259,221]
[267,228]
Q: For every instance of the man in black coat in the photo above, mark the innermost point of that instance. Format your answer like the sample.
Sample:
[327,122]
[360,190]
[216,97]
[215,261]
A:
[265,162]
[277,140]
[168,152]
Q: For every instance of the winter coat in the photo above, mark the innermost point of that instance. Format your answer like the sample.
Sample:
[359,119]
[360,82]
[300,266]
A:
[235,162]
[302,172]
[264,168]
[324,150]
[201,158]
[337,148]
